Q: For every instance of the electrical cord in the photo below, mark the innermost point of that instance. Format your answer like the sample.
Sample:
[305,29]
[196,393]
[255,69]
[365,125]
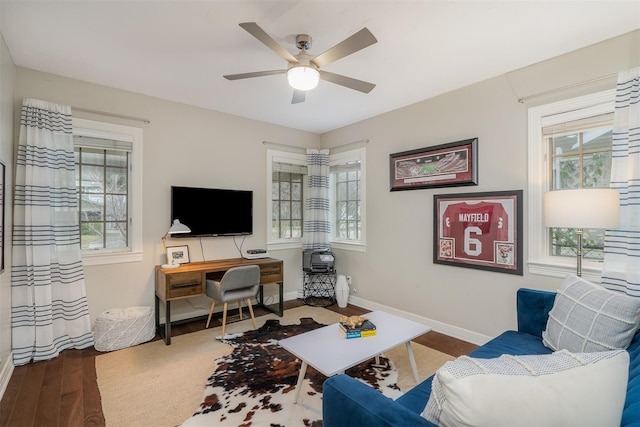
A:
[202,249]
[241,244]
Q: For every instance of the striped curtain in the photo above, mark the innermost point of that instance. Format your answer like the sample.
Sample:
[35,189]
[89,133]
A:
[621,268]
[49,305]
[316,214]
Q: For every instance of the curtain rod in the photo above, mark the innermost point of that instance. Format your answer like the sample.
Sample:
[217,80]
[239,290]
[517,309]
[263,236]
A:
[364,141]
[104,113]
[283,145]
[571,86]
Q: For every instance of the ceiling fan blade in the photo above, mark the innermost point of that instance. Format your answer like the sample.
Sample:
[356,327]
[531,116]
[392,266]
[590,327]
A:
[254,74]
[257,32]
[356,42]
[298,96]
[345,81]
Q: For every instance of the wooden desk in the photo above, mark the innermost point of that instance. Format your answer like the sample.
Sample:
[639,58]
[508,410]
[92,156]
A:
[190,280]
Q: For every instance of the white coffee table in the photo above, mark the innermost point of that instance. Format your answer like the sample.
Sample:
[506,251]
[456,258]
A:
[328,351]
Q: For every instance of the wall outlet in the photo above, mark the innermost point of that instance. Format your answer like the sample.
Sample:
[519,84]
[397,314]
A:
[349,280]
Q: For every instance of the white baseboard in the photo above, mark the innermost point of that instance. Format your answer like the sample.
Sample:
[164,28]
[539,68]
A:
[443,328]
[5,373]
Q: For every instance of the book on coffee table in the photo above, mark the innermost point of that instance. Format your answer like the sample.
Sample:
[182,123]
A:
[366,329]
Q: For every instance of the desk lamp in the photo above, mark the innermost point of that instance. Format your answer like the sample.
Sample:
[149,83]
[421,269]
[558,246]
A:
[582,208]
[176,228]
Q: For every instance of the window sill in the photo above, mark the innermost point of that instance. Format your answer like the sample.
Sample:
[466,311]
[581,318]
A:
[591,271]
[89,259]
[279,246]
[348,246]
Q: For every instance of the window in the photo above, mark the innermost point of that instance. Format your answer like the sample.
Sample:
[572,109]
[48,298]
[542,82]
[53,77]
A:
[285,211]
[569,147]
[580,157]
[347,183]
[109,183]
[287,180]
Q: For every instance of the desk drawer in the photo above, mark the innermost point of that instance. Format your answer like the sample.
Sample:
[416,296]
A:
[271,273]
[184,284]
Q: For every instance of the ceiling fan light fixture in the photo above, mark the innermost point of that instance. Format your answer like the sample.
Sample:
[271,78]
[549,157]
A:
[303,77]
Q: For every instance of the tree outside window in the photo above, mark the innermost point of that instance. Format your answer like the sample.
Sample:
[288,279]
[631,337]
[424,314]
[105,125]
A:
[580,158]
[286,205]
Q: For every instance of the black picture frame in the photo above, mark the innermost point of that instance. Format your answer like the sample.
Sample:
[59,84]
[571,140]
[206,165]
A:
[447,165]
[479,230]
[2,212]
[178,254]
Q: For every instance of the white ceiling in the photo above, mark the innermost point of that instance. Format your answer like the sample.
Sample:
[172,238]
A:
[179,50]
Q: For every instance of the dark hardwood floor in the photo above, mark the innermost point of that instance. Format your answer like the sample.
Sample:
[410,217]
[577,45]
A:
[64,392]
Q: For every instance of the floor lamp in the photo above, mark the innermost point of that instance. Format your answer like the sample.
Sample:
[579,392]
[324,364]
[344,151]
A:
[582,208]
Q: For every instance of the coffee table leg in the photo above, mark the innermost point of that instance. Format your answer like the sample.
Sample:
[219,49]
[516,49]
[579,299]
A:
[303,371]
[412,361]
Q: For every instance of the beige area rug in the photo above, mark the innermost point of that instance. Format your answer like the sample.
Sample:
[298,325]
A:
[153,384]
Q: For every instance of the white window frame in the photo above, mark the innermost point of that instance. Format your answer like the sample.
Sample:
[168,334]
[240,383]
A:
[360,245]
[134,252]
[274,243]
[539,260]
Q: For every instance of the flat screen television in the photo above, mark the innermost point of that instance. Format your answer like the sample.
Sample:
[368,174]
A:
[212,212]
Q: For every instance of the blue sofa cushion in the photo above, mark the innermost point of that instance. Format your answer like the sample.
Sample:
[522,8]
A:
[347,402]
[631,414]
[533,308]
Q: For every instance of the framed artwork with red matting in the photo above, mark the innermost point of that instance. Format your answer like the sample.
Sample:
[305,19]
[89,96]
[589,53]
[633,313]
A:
[479,230]
[447,165]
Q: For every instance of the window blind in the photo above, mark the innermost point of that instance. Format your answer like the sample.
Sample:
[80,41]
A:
[102,144]
[581,125]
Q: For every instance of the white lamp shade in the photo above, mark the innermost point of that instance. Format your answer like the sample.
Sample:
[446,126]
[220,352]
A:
[178,228]
[582,208]
[303,77]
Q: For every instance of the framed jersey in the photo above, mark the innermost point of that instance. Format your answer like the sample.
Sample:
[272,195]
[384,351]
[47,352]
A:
[479,230]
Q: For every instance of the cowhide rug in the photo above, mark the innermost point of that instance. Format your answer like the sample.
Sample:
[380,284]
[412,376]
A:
[255,384]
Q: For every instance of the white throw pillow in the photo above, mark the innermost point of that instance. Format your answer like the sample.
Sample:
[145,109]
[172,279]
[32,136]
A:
[586,317]
[559,389]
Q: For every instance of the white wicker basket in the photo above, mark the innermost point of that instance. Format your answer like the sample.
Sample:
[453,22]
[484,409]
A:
[123,327]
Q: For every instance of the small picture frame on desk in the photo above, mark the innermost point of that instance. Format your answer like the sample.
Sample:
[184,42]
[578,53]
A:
[178,254]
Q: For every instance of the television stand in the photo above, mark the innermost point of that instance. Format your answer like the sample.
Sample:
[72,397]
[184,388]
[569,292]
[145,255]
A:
[190,280]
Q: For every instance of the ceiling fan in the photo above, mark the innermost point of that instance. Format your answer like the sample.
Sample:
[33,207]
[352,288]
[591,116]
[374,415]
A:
[304,70]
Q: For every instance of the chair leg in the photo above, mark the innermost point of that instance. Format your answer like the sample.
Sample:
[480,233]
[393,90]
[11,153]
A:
[213,303]
[240,308]
[224,318]
[251,312]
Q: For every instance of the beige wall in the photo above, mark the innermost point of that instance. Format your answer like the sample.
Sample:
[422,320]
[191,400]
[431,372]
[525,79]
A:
[397,269]
[7,81]
[183,145]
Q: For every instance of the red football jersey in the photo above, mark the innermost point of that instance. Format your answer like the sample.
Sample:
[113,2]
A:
[475,228]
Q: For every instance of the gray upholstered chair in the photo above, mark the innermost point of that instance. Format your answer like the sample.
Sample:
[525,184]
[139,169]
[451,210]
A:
[238,283]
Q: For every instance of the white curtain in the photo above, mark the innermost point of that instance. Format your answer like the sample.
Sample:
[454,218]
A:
[48,298]
[316,226]
[621,268]
[316,215]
